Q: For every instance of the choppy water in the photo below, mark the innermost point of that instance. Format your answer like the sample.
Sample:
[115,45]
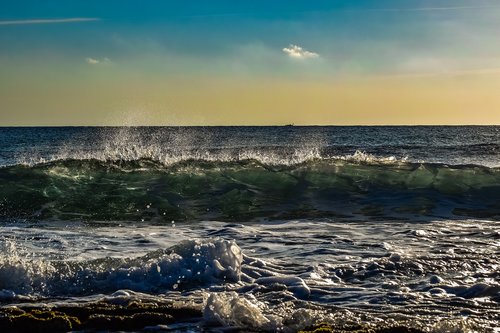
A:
[273,228]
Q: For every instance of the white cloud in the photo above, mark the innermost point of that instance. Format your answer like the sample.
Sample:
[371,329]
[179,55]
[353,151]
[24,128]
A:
[50,21]
[297,52]
[94,61]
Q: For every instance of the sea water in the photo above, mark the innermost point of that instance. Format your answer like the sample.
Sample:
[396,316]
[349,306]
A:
[261,228]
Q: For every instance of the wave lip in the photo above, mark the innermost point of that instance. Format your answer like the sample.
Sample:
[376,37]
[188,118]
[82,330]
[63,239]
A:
[269,156]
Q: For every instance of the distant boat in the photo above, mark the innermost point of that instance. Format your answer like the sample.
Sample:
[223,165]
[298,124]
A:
[289,125]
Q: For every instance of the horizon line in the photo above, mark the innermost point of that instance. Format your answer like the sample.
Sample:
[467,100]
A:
[285,125]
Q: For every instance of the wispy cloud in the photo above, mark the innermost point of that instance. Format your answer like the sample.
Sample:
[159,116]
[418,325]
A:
[357,10]
[297,52]
[423,9]
[50,21]
[94,61]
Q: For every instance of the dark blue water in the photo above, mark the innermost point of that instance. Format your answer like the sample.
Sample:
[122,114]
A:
[267,228]
[432,144]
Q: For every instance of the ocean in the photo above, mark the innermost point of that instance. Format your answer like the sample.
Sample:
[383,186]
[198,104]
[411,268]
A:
[250,229]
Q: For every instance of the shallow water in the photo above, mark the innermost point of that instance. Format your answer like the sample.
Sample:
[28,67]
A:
[296,233]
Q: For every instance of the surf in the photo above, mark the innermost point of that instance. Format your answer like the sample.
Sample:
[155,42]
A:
[236,189]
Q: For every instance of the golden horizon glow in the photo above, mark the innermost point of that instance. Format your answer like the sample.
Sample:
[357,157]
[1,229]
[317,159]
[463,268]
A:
[464,99]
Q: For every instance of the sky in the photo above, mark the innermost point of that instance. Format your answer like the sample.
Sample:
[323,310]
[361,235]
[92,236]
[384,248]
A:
[259,62]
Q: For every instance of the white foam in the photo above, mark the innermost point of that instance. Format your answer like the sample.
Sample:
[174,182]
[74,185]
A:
[19,274]
[168,157]
[294,284]
[455,326]
[361,156]
[230,309]
[189,262]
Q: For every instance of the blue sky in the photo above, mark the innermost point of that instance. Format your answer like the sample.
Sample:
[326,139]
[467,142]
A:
[84,42]
[357,36]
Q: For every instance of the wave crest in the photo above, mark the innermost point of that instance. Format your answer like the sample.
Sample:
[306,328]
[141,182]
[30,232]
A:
[169,157]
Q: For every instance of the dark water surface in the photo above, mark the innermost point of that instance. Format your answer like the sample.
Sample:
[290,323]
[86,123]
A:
[265,228]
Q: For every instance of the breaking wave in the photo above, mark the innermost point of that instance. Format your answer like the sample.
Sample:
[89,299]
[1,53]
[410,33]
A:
[188,264]
[246,189]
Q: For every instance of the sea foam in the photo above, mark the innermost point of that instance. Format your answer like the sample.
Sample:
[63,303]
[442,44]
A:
[191,263]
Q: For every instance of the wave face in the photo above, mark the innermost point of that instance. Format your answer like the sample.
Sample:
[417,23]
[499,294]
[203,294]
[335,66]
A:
[147,190]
